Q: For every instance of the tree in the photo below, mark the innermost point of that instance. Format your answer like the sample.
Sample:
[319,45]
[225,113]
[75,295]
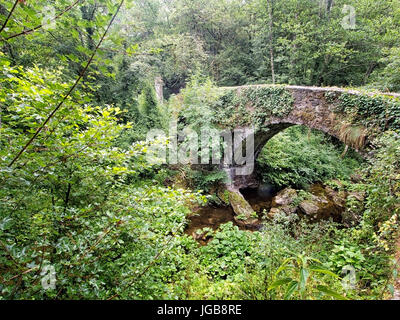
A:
[149,108]
[270,4]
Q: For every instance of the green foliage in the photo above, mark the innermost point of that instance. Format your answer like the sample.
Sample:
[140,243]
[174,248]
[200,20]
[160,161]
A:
[69,205]
[229,252]
[304,269]
[292,265]
[146,113]
[194,106]
[297,158]
[205,180]
[380,112]
[252,106]
[380,219]
[83,199]
[149,109]
[383,179]
[389,79]
[346,254]
[241,264]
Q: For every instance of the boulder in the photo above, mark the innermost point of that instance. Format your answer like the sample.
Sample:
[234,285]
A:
[321,207]
[323,203]
[273,213]
[309,208]
[289,209]
[243,210]
[359,196]
[283,202]
[339,198]
[284,198]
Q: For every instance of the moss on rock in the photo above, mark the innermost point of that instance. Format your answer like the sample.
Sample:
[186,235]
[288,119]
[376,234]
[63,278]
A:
[245,214]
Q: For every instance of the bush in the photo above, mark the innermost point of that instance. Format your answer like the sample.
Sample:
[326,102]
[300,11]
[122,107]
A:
[297,158]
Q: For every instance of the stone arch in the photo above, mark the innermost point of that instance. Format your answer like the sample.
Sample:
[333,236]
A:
[312,107]
[261,138]
[238,182]
[273,108]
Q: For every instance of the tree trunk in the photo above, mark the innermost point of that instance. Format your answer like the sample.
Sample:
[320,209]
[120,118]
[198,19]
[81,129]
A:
[329,5]
[271,39]
[370,69]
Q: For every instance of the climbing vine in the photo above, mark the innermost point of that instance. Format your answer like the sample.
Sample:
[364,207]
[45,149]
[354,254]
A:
[252,106]
[378,112]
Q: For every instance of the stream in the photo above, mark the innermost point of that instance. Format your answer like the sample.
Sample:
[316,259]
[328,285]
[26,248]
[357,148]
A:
[213,217]
[323,203]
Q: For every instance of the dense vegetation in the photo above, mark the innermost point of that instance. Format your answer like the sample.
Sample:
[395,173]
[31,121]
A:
[294,157]
[78,197]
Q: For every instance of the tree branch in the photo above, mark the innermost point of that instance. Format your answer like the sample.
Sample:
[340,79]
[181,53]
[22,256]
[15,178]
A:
[41,25]
[9,15]
[69,91]
[152,262]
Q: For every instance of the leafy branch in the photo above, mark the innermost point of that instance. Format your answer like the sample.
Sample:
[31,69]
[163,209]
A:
[41,25]
[69,91]
[9,15]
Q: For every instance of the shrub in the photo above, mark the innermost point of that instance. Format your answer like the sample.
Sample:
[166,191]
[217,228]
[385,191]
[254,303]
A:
[297,158]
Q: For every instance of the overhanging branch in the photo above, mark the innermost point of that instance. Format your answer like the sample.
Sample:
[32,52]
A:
[69,91]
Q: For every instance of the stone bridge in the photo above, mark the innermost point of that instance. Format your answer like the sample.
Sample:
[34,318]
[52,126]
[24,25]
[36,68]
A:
[272,109]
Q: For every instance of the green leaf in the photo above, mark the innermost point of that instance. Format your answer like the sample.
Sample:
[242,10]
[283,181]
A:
[327,272]
[331,293]
[292,287]
[303,279]
[279,283]
[283,266]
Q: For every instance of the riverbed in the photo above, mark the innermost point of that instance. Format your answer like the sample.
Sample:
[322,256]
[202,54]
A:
[213,216]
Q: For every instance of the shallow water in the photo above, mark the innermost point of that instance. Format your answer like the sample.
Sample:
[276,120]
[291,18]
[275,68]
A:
[209,217]
[213,217]
[260,199]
